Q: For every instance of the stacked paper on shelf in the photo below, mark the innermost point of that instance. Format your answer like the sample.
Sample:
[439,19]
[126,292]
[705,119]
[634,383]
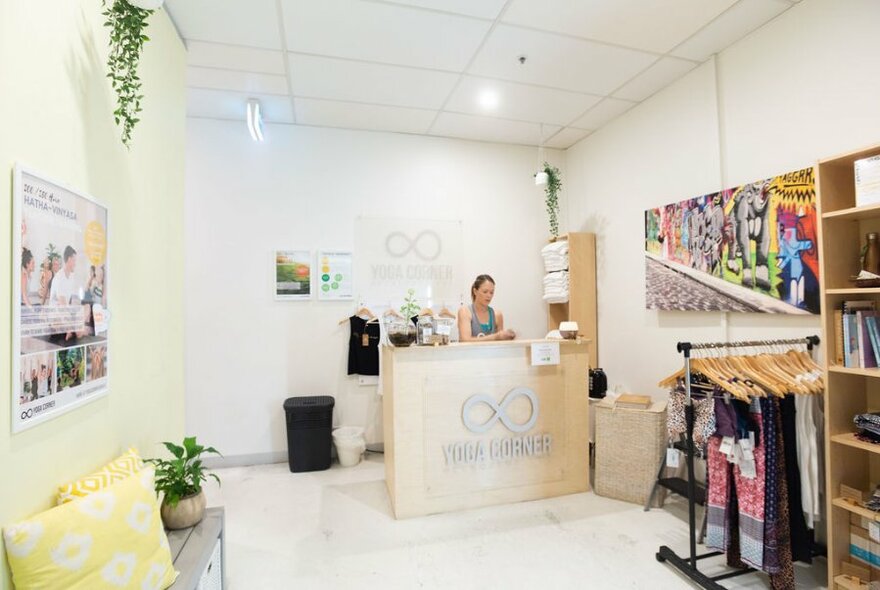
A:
[555,256]
[556,287]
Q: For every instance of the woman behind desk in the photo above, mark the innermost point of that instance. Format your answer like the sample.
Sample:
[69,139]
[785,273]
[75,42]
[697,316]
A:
[478,321]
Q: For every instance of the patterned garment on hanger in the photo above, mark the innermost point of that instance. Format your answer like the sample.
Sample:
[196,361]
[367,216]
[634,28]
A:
[718,497]
[704,416]
[750,494]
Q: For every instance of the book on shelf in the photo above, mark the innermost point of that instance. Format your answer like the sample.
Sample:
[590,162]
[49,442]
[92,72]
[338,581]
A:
[866,349]
[874,337]
[851,340]
[838,337]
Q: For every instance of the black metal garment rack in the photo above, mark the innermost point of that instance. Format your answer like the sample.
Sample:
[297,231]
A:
[688,565]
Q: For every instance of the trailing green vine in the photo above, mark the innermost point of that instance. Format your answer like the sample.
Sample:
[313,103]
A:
[127,24]
[552,197]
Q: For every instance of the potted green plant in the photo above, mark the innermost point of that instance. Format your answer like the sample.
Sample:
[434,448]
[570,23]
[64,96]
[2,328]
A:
[127,21]
[180,480]
[551,196]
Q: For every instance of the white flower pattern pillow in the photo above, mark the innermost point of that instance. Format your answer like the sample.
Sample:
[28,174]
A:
[110,539]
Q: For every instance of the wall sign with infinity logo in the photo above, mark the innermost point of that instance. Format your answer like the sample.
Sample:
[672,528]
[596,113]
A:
[500,411]
[427,245]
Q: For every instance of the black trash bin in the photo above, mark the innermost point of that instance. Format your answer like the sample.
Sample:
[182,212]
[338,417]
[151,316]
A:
[309,425]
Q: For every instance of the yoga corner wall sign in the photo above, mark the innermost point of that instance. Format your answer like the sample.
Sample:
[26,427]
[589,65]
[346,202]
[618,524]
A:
[749,248]
[61,340]
[496,449]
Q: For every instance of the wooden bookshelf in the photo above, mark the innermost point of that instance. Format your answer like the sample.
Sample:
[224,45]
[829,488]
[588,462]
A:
[848,390]
[850,440]
[581,306]
[851,506]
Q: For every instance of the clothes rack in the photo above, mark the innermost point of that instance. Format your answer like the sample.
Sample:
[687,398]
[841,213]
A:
[688,565]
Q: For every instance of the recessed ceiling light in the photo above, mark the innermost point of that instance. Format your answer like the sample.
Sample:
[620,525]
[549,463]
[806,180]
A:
[488,99]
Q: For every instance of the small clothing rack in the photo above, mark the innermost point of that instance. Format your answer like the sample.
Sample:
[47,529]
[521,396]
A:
[688,565]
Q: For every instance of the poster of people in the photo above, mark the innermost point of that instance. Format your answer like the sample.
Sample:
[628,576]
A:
[60,310]
[752,248]
[293,275]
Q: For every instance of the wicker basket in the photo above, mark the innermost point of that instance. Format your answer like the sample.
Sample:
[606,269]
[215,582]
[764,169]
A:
[629,447]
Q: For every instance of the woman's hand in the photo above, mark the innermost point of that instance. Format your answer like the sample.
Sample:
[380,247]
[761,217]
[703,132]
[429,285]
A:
[506,335]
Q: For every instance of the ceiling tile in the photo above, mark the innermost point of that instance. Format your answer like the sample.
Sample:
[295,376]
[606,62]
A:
[479,8]
[489,129]
[733,25]
[384,33]
[331,113]
[566,138]
[652,25]
[341,79]
[237,81]
[225,104]
[232,57]
[602,113]
[519,101]
[559,62]
[661,74]
[253,23]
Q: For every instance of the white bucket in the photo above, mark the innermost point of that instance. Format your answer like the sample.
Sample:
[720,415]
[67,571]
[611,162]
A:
[350,445]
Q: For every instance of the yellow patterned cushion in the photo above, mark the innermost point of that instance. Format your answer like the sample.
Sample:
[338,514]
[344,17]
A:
[116,470]
[109,539]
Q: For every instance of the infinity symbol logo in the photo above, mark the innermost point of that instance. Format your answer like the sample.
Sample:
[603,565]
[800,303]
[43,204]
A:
[398,244]
[500,411]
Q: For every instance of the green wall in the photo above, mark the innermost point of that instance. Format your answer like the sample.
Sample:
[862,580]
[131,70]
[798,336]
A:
[56,117]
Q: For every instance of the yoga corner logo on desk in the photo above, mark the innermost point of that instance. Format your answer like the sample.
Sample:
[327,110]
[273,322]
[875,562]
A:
[508,448]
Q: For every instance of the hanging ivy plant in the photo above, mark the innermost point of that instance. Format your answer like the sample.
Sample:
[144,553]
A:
[551,199]
[127,24]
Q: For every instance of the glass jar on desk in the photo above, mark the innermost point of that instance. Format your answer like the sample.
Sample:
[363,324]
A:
[425,330]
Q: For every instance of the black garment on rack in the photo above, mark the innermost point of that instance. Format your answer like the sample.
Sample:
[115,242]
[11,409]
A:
[363,347]
[801,539]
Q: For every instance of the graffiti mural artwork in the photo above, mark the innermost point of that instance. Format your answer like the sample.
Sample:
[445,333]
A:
[749,248]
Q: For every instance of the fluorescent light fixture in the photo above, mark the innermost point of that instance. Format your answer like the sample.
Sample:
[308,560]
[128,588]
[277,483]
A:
[488,99]
[255,119]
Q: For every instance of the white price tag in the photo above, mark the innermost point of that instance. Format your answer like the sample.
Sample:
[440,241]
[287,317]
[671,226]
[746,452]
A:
[752,438]
[748,454]
[726,445]
[672,458]
[748,470]
[746,444]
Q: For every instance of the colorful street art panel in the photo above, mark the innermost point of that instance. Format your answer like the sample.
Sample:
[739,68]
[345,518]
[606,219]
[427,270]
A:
[749,248]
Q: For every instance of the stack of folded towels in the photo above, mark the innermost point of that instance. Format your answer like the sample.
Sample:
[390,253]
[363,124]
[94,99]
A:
[556,287]
[869,424]
[556,265]
[555,256]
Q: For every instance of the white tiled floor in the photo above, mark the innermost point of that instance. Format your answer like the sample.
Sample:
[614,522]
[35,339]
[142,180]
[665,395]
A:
[334,529]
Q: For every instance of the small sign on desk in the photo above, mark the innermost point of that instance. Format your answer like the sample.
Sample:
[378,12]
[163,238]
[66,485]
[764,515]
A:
[545,353]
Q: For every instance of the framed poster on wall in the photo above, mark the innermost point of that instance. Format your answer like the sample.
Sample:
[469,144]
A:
[293,275]
[335,281]
[60,339]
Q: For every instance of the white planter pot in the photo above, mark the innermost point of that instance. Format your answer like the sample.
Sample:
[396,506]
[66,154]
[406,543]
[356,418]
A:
[188,512]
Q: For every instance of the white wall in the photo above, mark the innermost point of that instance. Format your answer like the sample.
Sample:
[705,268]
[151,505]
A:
[305,188]
[802,87]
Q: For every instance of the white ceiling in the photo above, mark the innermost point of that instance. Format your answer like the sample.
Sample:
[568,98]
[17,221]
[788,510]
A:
[423,66]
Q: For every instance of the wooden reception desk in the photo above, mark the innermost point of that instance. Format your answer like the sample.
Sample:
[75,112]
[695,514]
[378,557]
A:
[477,424]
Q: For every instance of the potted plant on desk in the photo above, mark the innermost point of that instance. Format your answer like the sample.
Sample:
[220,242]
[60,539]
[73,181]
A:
[180,479]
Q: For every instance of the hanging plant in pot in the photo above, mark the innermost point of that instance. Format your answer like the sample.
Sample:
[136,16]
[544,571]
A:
[180,479]
[127,21]
[551,195]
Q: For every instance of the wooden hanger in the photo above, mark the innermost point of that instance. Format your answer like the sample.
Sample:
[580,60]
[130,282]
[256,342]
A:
[391,312]
[426,311]
[446,313]
[360,313]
